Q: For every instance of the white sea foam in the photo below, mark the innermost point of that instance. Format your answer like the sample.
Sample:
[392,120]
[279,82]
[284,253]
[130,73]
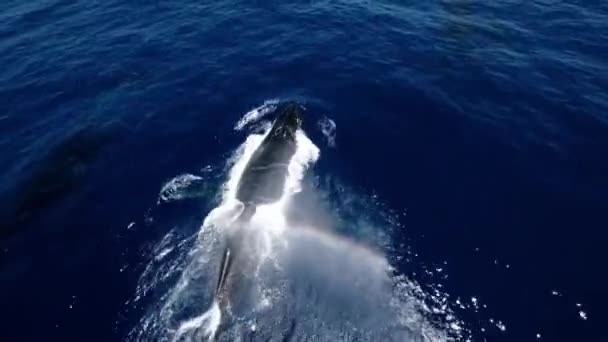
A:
[209,321]
[179,187]
[256,113]
[328,128]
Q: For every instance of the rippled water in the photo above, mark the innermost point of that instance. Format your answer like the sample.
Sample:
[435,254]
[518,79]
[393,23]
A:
[467,140]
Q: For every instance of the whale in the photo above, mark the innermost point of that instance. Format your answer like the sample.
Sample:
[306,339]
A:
[262,181]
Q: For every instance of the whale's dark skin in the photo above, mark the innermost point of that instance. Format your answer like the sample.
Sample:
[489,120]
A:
[263,179]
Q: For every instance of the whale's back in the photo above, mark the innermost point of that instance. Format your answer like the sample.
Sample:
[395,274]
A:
[263,180]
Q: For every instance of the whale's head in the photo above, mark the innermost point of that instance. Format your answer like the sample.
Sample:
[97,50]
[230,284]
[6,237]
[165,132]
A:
[292,116]
[288,121]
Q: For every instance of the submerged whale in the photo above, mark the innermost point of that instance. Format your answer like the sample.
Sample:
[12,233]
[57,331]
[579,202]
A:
[263,179]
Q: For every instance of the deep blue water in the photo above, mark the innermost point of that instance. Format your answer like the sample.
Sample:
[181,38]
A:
[485,123]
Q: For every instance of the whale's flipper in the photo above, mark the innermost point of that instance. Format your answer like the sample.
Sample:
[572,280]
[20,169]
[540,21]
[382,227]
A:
[224,269]
[231,249]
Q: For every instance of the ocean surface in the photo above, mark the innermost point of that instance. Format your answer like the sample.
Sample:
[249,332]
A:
[452,169]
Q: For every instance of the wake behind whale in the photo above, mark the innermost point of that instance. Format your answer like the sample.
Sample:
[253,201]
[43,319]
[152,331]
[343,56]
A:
[253,273]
